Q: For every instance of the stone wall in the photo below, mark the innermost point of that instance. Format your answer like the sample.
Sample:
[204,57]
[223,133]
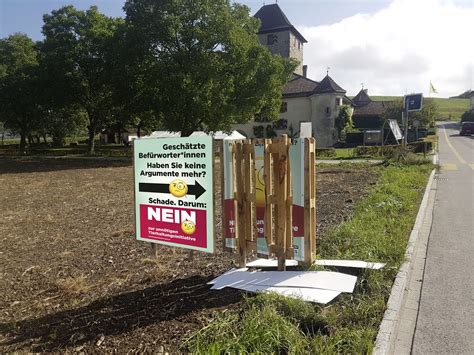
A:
[296,52]
[324,112]
[280,45]
[286,45]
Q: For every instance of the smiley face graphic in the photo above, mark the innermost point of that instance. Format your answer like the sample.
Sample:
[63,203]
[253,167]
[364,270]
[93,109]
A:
[188,227]
[178,188]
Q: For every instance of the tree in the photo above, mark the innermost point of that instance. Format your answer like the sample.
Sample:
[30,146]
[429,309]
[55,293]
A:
[2,129]
[426,116]
[199,64]
[62,122]
[344,123]
[75,56]
[19,85]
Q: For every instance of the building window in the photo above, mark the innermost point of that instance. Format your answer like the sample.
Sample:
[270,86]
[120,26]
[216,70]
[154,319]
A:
[284,107]
[338,101]
[261,118]
[328,110]
[271,39]
[281,124]
[299,45]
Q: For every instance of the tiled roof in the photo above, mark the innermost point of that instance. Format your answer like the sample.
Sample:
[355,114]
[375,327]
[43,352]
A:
[299,86]
[273,20]
[362,98]
[373,108]
[302,86]
[327,85]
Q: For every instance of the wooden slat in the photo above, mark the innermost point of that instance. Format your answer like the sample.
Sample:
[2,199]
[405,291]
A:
[251,245]
[269,195]
[248,177]
[282,195]
[276,148]
[252,196]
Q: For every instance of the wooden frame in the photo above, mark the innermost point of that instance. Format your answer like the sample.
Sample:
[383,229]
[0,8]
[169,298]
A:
[278,228]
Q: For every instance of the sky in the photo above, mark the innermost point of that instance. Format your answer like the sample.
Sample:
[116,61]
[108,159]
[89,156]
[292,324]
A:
[391,47]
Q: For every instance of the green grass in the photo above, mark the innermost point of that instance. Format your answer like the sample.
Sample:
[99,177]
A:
[452,108]
[378,231]
[344,153]
[448,108]
[107,150]
[335,153]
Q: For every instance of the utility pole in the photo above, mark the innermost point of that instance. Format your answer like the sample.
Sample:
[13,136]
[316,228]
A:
[406,126]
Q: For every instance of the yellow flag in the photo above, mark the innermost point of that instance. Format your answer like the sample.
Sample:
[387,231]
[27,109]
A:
[432,89]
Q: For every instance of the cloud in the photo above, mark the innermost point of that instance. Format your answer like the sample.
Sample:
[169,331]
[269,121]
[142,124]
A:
[398,49]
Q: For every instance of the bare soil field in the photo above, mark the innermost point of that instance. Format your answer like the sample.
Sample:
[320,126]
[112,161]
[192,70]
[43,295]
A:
[73,278]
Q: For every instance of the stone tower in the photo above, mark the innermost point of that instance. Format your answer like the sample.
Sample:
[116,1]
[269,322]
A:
[278,34]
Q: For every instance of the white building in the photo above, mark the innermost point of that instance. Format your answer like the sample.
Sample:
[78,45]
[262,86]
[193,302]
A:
[303,99]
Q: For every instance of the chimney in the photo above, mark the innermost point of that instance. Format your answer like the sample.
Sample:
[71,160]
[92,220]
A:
[305,71]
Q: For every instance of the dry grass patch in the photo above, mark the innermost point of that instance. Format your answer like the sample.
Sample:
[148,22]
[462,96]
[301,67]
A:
[73,285]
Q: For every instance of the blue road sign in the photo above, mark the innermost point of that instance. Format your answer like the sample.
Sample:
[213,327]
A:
[413,102]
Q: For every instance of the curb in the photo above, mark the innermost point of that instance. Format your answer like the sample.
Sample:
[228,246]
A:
[387,334]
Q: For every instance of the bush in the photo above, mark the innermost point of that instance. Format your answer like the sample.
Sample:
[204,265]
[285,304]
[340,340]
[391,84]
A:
[419,147]
[432,131]
[326,153]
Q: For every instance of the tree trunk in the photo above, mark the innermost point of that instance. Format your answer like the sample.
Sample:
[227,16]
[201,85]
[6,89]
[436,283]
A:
[139,129]
[22,143]
[91,138]
[44,138]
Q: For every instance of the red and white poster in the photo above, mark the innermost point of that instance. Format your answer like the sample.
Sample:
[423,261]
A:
[174,196]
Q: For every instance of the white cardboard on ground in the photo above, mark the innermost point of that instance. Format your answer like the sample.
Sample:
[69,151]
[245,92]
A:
[212,282]
[270,263]
[350,263]
[306,294]
[326,280]
[341,263]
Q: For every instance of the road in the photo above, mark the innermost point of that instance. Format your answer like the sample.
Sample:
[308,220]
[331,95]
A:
[445,322]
